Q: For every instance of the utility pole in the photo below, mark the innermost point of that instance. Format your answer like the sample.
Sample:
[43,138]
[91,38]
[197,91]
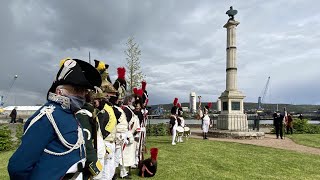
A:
[89,58]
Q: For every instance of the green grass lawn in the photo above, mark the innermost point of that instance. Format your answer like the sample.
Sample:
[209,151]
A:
[203,159]
[312,140]
[4,158]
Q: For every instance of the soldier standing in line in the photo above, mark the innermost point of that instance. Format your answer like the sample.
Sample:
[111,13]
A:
[173,124]
[107,120]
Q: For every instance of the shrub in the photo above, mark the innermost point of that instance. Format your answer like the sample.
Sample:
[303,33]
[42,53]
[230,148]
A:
[19,133]
[300,126]
[5,138]
[160,129]
[303,127]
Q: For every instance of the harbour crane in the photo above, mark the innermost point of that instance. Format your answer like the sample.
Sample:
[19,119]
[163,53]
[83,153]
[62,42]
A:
[262,96]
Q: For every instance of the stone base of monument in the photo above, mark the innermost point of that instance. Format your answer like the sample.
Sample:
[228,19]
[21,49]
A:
[233,122]
[235,134]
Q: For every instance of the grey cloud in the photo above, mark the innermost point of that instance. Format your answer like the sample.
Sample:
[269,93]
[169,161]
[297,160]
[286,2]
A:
[183,45]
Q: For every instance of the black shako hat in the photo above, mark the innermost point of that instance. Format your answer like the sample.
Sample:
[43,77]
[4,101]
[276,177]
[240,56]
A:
[78,73]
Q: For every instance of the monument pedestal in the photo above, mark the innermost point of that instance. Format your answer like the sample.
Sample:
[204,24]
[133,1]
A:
[233,122]
[235,135]
[232,117]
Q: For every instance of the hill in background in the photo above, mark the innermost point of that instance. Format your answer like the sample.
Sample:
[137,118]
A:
[251,107]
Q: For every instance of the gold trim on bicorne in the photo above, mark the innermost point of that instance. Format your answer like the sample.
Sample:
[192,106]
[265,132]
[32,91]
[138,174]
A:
[64,101]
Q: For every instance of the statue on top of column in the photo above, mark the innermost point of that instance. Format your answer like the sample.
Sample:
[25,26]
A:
[231,13]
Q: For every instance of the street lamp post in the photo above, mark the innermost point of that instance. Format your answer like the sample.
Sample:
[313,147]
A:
[10,87]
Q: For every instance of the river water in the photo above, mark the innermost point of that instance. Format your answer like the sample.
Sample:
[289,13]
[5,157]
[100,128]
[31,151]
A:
[194,121]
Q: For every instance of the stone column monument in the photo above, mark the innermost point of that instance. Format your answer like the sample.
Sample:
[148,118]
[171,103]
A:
[232,116]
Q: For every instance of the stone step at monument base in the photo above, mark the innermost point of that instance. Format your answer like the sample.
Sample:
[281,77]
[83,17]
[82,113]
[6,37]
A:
[235,134]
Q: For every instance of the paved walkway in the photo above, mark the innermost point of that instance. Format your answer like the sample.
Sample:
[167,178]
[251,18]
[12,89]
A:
[269,140]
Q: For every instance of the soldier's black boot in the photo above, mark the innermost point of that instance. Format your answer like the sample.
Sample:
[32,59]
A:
[129,173]
[205,136]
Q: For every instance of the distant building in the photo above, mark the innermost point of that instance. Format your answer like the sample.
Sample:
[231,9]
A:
[185,109]
[193,102]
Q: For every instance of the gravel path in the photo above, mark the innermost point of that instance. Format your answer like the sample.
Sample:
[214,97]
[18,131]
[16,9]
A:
[268,141]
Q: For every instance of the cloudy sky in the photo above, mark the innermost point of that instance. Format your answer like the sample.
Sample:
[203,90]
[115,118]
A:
[183,45]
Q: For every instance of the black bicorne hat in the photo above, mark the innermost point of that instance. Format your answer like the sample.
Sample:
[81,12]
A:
[78,73]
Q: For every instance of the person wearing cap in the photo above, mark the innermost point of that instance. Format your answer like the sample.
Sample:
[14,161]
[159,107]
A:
[107,119]
[205,121]
[120,84]
[58,151]
[148,167]
[138,111]
[145,96]
[123,140]
[125,128]
[180,121]
[128,146]
[144,111]
[173,124]
[133,119]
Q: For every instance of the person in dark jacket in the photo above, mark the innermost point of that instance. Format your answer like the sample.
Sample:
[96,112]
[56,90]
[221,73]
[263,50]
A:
[278,124]
[13,115]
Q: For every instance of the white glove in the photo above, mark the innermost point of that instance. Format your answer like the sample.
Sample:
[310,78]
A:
[129,138]
[143,129]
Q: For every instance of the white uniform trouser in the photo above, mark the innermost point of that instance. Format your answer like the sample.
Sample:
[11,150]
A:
[206,123]
[174,133]
[118,154]
[101,153]
[109,162]
[123,171]
[205,126]
[136,144]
